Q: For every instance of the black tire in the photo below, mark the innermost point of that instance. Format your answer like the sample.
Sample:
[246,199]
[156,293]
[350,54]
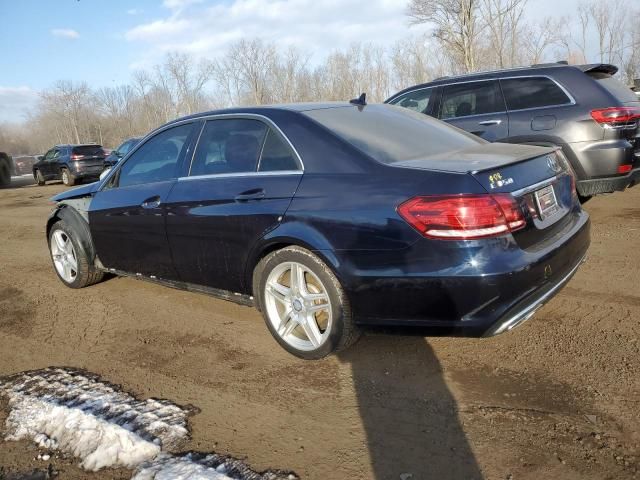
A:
[344,332]
[5,173]
[86,274]
[39,178]
[584,199]
[67,178]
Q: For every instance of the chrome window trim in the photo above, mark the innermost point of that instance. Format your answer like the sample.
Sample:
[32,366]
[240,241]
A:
[241,174]
[250,116]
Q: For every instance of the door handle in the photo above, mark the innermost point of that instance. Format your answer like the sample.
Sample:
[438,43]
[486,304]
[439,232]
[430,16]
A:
[152,202]
[490,122]
[255,194]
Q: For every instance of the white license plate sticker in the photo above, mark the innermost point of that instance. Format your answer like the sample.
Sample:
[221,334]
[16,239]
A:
[547,202]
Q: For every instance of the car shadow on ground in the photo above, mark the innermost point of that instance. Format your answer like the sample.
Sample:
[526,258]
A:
[409,415]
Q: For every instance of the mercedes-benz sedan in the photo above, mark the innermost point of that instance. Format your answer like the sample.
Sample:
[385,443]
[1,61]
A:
[328,217]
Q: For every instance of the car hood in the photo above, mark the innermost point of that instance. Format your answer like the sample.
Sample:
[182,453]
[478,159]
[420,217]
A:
[477,158]
[83,191]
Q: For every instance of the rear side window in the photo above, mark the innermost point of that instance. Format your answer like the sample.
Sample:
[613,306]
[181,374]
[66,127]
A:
[536,92]
[417,100]
[276,155]
[156,159]
[87,150]
[614,87]
[473,98]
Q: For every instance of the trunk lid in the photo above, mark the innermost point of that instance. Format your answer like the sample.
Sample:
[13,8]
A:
[539,178]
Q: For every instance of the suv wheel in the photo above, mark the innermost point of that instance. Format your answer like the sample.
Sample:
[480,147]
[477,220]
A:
[5,174]
[303,304]
[39,178]
[70,261]
[67,178]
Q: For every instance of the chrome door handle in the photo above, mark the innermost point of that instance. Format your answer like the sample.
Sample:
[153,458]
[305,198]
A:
[152,202]
[490,122]
[255,194]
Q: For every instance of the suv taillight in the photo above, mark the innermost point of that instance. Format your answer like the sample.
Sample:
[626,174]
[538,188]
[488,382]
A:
[615,116]
[75,156]
[463,217]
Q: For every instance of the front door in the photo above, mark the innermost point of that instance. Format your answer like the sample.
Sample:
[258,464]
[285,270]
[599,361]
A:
[477,107]
[127,217]
[242,179]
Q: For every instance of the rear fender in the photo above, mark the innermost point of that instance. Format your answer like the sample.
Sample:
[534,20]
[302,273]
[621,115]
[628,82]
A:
[288,234]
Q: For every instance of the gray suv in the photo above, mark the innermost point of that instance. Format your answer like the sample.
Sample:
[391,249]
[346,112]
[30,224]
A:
[580,108]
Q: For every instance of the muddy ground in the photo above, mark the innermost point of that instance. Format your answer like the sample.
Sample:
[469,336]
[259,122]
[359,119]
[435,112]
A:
[558,398]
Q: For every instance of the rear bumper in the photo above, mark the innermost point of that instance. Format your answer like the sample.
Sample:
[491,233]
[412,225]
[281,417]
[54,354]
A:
[609,184]
[474,290]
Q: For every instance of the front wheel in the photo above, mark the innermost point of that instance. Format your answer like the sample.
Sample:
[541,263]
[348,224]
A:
[70,261]
[303,304]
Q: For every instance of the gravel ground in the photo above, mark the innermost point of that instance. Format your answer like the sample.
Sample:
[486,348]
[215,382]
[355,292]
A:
[556,398]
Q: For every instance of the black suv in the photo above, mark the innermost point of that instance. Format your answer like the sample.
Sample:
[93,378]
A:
[70,163]
[580,108]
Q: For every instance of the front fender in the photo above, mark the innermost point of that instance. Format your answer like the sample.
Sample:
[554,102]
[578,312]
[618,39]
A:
[80,226]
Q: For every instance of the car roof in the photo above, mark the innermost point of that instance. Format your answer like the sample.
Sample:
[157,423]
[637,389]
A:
[537,69]
[265,109]
[77,145]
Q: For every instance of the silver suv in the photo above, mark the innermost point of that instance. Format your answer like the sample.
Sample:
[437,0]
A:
[580,108]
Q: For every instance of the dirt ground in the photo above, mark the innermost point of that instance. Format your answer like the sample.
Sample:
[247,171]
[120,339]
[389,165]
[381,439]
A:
[557,398]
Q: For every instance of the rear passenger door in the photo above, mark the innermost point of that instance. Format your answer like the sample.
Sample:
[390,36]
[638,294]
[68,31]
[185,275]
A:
[477,107]
[242,178]
[535,105]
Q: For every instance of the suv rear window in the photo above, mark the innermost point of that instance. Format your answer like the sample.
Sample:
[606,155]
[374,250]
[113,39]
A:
[390,134]
[88,150]
[614,87]
[536,92]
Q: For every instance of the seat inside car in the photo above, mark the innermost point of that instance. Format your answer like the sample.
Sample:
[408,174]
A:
[241,152]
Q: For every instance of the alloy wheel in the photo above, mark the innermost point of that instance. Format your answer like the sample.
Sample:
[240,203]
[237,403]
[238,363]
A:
[298,306]
[64,256]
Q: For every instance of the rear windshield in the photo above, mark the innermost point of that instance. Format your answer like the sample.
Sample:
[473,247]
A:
[88,150]
[614,87]
[392,134]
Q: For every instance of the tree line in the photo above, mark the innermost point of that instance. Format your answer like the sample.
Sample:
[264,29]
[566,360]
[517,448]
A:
[463,36]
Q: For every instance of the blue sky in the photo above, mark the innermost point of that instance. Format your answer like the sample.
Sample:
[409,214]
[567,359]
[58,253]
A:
[104,41]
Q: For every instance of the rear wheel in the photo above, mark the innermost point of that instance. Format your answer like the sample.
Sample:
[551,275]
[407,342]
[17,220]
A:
[67,178]
[39,178]
[70,261]
[5,174]
[303,304]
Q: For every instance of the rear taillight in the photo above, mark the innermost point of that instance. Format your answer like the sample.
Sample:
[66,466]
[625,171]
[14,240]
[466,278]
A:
[615,116]
[624,168]
[76,157]
[463,217]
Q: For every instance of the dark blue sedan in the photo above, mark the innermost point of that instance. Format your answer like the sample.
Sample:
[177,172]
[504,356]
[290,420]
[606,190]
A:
[328,217]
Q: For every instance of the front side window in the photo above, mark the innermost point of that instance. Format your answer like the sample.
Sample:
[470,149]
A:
[157,159]
[241,145]
[417,100]
[125,147]
[536,92]
[473,98]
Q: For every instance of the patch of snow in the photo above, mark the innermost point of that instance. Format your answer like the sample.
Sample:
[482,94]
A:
[76,412]
[200,466]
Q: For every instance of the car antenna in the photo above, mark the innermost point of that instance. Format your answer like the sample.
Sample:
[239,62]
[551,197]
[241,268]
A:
[361,100]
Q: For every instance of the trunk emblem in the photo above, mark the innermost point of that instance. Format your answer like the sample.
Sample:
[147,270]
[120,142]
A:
[547,271]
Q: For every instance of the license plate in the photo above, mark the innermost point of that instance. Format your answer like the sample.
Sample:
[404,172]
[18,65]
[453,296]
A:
[547,202]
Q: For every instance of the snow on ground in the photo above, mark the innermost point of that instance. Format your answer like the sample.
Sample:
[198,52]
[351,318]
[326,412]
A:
[199,466]
[76,412]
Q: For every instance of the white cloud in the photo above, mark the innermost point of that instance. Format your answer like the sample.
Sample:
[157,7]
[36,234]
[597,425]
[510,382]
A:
[65,33]
[317,27]
[15,103]
[134,11]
